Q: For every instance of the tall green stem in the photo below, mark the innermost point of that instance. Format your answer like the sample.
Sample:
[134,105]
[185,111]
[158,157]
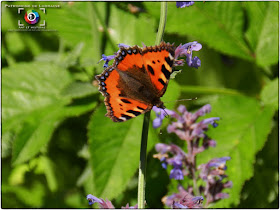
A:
[143,161]
[144,138]
[162,21]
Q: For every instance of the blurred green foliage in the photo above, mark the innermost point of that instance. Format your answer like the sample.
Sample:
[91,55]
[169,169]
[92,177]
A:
[57,146]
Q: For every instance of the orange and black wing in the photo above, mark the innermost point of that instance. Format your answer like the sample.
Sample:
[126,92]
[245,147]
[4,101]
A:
[119,103]
[158,62]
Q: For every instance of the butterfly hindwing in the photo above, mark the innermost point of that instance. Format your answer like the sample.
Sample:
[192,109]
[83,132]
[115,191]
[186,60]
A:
[119,106]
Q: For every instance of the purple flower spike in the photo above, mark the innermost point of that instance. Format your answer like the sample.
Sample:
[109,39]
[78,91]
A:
[107,59]
[182,4]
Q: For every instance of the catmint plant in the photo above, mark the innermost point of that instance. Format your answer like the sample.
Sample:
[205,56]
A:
[189,129]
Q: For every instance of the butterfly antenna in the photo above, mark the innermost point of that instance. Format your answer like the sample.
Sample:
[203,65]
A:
[187,99]
[166,115]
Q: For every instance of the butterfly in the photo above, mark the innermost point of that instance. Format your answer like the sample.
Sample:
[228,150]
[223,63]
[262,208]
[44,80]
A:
[136,80]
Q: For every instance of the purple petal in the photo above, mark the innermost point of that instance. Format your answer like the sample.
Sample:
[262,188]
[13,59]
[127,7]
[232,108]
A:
[123,45]
[189,59]
[212,143]
[196,62]
[201,112]
[195,46]
[176,174]
[164,165]
[157,123]
[163,162]
[198,199]
[182,109]
[92,199]
[228,184]
[190,45]
[106,205]
[130,207]
[217,162]
[182,4]
[107,59]
[171,128]
[162,148]
[156,109]
[211,121]
[179,206]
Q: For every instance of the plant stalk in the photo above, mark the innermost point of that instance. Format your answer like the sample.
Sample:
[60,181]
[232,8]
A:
[144,138]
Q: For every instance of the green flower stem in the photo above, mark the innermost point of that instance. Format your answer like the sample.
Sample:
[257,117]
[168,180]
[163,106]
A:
[144,138]
[162,21]
[143,161]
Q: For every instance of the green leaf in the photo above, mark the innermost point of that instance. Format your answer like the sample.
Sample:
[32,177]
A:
[31,197]
[33,104]
[266,177]
[79,90]
[36,132]
[114,149]
[29,87]
[39,127]
[256,14]
[79,17]
[267,48]
[7,143]
[17,175]
[270,94]
[218,24]
[135,31]
[46,166]
[76,200]
[242,132]
[14,44]
[29,90]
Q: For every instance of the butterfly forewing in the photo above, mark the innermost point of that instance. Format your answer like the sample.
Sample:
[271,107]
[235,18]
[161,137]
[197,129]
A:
[158,61]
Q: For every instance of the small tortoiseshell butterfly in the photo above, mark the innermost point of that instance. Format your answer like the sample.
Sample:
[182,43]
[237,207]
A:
[136,80]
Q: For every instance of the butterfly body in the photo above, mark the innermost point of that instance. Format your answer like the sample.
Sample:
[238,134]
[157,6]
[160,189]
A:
[136,80]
